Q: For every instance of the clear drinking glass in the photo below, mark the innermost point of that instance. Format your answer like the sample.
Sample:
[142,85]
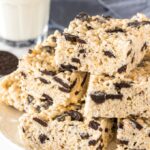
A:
[23,22]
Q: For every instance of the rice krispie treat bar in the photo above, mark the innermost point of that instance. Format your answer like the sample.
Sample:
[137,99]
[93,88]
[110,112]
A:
[119,97]
[47,86]
[69,131]
[41,57]
[11,92]
[53,92]
[101,44]
[10,86]
[133,134]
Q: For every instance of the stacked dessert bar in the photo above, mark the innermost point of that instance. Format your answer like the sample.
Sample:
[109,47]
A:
[76,84]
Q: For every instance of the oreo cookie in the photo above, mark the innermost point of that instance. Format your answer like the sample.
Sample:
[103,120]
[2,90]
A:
[8,62]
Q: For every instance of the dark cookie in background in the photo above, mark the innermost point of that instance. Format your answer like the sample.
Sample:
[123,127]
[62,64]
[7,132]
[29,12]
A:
[8,62]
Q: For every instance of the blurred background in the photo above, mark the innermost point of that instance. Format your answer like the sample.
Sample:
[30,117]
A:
[62,11]
[25,22]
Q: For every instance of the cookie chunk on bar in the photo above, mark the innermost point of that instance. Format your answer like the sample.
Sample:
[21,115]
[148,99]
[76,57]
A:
[69,131]
[100,44]
[133,134]
[119,97]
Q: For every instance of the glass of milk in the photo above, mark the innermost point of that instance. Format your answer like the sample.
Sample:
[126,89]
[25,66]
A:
[23,22]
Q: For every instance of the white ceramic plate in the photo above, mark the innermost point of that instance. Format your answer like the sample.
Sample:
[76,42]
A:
[9,138]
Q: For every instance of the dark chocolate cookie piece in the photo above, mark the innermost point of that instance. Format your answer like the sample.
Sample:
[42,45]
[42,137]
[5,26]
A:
[100,97]
[115,30]
[68,67]
[122,69]
[109,54]
[136,124]
[43,138]
[8,62]
[84,135]
[94,125]
[75,115]
[83,16]
[123,84]
[73,38]
[41,122]
[47,72]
